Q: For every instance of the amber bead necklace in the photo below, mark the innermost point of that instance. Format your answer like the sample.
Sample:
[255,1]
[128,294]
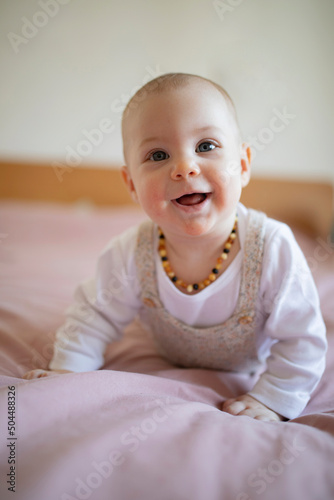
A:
[214,272]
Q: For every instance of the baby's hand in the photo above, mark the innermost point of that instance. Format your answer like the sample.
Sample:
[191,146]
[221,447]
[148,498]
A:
[43,373]
[251,407]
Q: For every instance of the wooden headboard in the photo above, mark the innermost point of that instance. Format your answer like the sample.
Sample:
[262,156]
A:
[306,205]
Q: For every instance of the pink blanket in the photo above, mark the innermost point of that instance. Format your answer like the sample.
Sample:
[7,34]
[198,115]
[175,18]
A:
[139,429]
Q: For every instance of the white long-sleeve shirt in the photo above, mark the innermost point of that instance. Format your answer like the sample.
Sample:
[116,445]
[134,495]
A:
[289,326]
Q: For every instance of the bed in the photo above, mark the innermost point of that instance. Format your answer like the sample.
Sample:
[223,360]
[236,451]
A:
[139,428]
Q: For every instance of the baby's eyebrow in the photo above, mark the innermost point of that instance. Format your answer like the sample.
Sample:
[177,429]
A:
[208,127]
[148,139]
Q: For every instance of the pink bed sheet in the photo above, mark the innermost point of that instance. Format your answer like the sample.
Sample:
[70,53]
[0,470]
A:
[139,428]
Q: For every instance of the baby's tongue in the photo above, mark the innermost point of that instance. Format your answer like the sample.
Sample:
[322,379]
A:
[191,199]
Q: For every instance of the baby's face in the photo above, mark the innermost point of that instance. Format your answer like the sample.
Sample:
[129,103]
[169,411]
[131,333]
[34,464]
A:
[184,161]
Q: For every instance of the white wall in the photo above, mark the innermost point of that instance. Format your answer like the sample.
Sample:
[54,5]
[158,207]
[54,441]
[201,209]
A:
[86,57]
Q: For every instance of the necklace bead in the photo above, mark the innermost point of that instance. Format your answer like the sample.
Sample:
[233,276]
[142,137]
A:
[214,272]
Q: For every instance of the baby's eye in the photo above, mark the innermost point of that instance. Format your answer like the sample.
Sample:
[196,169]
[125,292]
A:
[205,146]
[158,156]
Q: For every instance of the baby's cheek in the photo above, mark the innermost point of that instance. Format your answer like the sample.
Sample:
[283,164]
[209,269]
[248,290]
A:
[151,199]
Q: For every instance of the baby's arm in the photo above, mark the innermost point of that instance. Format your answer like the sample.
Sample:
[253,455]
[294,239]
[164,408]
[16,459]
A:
[101,310]
[292,321]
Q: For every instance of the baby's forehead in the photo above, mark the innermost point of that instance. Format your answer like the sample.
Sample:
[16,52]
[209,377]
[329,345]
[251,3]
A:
[195,89]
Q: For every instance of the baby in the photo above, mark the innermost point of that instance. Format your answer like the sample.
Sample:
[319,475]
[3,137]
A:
[217,285]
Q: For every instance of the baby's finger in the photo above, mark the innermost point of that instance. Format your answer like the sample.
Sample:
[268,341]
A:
[268,417]
[234,407]
[227,403]
[35,374]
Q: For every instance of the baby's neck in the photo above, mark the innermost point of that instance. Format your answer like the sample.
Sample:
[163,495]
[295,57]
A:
[192,259]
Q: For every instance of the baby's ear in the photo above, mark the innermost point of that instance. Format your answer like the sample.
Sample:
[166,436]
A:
[129,183]
[246,159]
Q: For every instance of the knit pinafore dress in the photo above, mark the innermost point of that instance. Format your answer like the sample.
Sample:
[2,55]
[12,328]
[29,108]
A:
[228,346]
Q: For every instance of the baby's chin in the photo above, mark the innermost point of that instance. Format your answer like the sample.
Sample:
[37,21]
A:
[192,227]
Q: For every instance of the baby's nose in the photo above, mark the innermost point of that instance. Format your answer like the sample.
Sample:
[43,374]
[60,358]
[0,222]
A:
[183,169]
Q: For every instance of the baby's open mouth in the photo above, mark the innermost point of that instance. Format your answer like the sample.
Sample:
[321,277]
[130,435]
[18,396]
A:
[192,199]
